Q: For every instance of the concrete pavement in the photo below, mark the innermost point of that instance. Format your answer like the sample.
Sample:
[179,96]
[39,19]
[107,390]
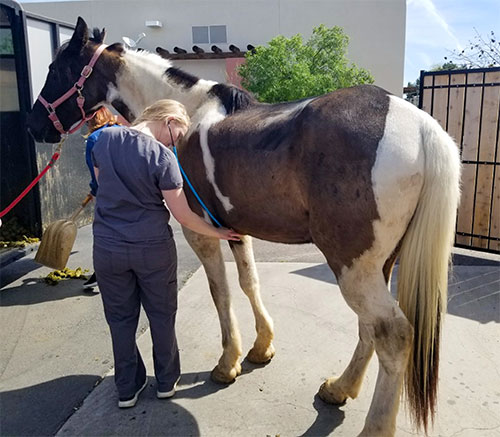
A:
[315,336]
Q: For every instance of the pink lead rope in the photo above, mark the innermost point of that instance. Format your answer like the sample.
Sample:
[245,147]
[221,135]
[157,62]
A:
[80,100]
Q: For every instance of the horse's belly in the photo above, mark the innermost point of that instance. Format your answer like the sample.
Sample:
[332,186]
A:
[270,221]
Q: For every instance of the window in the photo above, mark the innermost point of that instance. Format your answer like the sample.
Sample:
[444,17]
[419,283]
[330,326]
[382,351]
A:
[200,35]
[218,34]
[9,99]
[209,34]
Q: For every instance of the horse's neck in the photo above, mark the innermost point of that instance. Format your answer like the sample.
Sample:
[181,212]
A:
[142,80]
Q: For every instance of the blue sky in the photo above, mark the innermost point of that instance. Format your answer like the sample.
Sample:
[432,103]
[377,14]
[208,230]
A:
[434,27]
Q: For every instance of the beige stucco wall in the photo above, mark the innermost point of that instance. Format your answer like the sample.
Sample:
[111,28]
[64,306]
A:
[376,27]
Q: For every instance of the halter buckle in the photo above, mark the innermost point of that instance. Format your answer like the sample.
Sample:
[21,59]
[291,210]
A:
[86,71]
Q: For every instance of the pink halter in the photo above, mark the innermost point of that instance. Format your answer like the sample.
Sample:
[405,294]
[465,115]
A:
[80,100]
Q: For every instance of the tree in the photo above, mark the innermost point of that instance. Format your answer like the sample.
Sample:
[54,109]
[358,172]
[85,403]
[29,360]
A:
[287,69]
[481,52]
[413,88]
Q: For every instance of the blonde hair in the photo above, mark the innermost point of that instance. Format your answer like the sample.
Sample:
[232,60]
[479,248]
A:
[163,109]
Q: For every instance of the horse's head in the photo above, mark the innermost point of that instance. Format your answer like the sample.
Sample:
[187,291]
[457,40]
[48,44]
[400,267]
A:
[64,72]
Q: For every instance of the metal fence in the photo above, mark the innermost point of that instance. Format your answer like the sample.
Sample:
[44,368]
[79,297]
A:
[467,104]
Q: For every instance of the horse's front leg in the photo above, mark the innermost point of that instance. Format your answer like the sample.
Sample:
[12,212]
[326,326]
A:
[209,252]
[263,349]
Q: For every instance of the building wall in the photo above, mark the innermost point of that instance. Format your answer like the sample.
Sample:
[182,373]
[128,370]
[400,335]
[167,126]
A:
[376,27]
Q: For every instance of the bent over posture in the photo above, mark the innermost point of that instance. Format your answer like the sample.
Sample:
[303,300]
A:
[134,253]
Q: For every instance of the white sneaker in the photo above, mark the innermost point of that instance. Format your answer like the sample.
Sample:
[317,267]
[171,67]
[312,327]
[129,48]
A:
[167,394]
[127,403]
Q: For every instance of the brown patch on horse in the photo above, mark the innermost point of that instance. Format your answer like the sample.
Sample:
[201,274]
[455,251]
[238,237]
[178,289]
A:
[269,159]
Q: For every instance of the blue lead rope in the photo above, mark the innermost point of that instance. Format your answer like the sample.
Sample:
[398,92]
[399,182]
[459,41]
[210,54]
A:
[194,191]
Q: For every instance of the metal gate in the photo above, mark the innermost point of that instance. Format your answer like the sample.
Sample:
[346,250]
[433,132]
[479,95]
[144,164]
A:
[467,105]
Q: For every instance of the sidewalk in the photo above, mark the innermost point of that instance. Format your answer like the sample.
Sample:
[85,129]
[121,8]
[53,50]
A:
[315,335]
[55,348]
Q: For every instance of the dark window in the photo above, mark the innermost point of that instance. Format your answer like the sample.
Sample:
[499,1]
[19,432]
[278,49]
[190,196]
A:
[200,35]
[209,34]
[218,34]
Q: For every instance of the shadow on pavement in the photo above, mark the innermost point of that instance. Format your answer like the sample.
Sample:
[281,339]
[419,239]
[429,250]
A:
[17,270]
[40,410]
[320,272]
[34,291]
[202,385]
[473,291]
[329,417]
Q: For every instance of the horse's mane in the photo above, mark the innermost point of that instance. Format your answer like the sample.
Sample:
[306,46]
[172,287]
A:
[233,98]
[97,35]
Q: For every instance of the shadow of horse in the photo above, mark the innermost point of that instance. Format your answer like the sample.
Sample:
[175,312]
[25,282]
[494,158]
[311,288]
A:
[473,291]
[328,419]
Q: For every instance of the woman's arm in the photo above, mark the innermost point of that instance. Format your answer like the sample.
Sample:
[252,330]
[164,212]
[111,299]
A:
[178,206]
[88,159]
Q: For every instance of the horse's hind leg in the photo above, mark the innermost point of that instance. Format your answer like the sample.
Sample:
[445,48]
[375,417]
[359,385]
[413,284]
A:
[364,287]
[263,349]
[337,390]
[209,252]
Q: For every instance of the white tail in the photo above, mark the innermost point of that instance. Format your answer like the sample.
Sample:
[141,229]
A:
[423,270]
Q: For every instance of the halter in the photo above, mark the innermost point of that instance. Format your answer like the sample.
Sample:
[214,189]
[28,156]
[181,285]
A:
[80,100]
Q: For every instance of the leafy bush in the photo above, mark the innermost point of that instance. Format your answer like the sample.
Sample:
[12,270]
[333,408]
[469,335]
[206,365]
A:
[287,69]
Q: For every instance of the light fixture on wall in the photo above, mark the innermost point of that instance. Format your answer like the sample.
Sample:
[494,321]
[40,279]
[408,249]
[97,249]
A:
[133,43]
[153,23]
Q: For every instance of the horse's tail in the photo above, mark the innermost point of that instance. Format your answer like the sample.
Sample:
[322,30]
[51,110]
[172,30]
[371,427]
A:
[423,268]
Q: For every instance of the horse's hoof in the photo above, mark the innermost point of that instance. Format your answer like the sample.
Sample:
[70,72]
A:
[259,356]
[225,377]
[330,394]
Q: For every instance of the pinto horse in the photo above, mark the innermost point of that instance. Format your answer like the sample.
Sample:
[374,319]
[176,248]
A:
[362,174]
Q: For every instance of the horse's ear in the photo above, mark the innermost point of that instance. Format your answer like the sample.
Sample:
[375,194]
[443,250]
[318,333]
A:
[79,38]
[103,34]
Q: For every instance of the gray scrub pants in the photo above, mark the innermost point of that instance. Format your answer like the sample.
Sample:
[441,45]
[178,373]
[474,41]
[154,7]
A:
[129,274]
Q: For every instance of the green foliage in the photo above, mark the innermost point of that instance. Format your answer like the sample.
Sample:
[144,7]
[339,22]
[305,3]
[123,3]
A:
[287,69]
[449,65]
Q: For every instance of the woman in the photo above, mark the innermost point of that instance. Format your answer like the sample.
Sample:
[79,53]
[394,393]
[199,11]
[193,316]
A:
[103,118]
[134,253]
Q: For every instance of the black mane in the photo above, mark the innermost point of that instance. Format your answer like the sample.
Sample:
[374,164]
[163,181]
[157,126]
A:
[181,77]
[98,35]
[233,98]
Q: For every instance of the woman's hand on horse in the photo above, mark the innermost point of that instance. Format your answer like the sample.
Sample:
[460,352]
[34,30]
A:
[228,234]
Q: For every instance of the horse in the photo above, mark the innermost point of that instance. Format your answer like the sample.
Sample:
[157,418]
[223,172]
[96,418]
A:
[364,175]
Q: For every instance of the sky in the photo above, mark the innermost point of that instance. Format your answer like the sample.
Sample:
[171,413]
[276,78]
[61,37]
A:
[436,27]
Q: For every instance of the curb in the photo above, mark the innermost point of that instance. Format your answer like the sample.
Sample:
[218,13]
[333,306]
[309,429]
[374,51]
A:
[13,254]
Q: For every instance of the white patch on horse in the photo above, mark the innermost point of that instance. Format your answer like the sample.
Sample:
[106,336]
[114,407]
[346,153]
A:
[141,81]
[209,114]
[284,114]
[397,178]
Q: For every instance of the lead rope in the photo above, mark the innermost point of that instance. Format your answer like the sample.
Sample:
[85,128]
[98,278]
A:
[189,182]
[52,161]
